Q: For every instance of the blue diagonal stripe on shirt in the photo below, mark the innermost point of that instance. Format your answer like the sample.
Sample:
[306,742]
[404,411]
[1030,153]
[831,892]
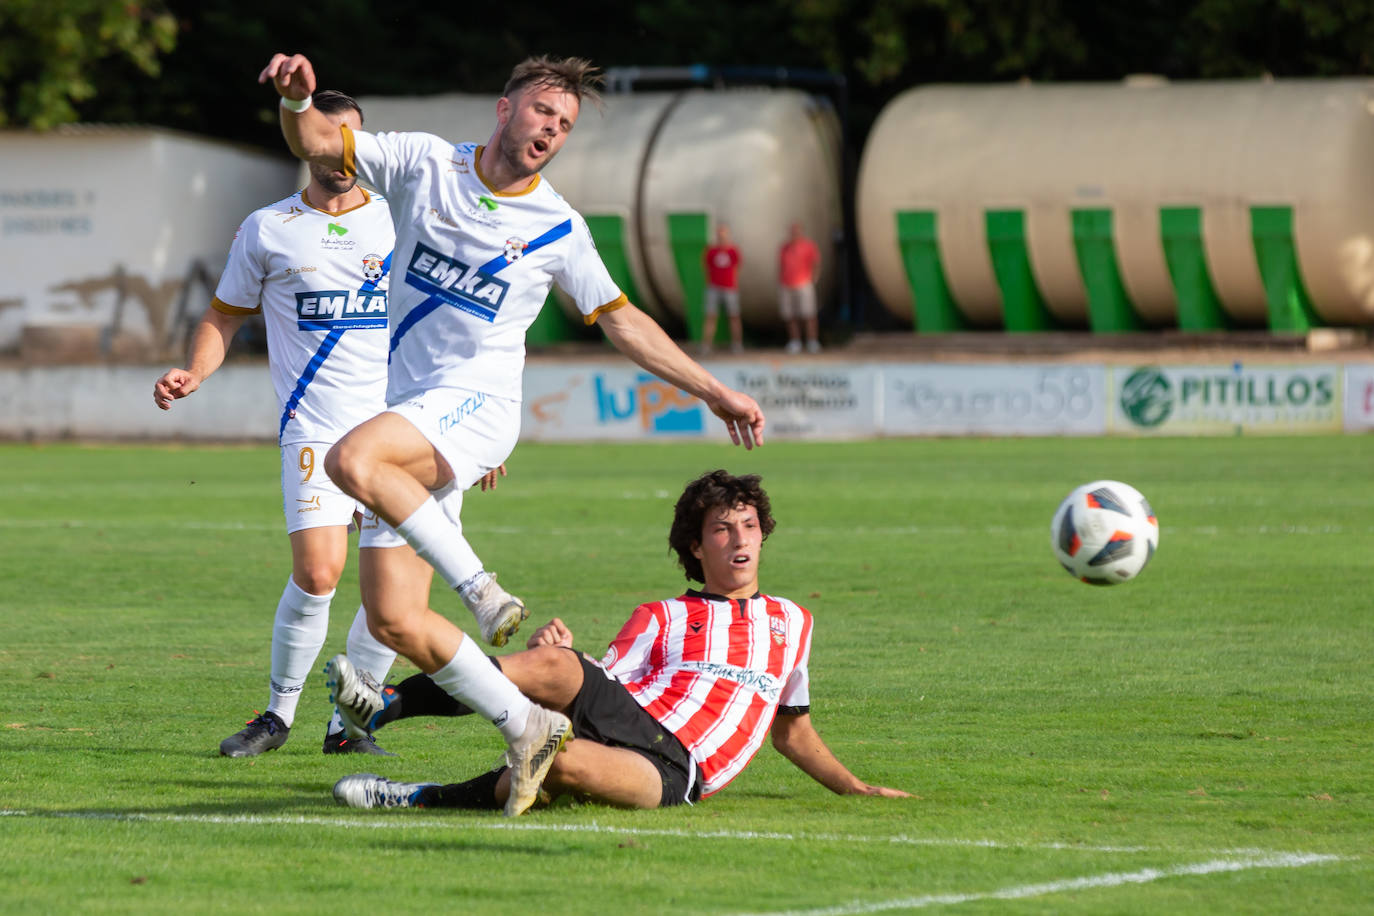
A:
[494,266]
[321,354]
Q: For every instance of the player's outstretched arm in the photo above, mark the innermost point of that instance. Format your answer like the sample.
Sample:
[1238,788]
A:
[308,133]
[797,740]
[641,339]
[209,344]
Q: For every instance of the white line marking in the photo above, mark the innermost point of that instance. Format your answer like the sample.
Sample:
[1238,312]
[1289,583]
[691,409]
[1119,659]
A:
[1089,882]
[418,821]
[415,821]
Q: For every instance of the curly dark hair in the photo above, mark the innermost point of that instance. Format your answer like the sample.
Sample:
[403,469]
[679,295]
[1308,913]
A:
[713,491]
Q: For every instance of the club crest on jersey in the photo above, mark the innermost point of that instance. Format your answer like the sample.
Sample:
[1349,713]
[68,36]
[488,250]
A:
[340,309]
[372,267]
[468,289]
[778,628]
[515,249]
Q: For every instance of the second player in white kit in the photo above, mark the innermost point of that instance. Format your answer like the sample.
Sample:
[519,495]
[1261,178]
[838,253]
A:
[316,266]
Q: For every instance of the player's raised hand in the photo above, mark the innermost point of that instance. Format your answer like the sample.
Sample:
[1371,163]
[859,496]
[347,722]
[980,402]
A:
[743,417]
[553,633]
[175,383]
[292,75]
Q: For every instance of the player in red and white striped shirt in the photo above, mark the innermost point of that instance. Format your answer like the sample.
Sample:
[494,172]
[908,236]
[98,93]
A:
[713,670]
[683,697]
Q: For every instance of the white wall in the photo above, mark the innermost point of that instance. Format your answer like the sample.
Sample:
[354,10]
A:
[81,204]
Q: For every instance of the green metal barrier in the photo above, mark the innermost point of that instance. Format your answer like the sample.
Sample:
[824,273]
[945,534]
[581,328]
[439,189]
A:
[1109,308]
[1180,233]
[1023,308]
[551,325]
[688,235]
[1290,308]
[935,309]
[608,232]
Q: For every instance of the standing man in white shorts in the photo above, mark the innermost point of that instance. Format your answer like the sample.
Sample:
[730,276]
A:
[722,291]
[799,267]
[481,237]
[315,265]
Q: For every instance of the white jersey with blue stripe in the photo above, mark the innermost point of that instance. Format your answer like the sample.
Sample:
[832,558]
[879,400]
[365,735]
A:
[320,280]
[473,266]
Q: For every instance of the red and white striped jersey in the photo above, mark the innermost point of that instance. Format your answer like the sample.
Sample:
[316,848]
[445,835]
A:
[713,671]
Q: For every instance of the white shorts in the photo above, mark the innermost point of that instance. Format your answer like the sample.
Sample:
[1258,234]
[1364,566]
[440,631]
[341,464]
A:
[716,295]
[475,432]
[797,301]
[311,500]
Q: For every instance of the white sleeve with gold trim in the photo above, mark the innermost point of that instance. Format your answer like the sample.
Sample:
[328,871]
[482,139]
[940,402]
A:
[244,270]
[583,275]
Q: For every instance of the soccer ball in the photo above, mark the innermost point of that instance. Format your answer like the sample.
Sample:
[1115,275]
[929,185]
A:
[1104,532]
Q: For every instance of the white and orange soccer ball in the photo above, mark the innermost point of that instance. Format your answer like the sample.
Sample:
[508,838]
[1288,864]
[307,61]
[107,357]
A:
[1104,532]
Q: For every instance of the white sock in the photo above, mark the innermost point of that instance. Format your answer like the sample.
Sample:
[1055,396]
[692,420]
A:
[466,588]
[298,635]
[450,499]
[440,543]
[365,652]
[471,678]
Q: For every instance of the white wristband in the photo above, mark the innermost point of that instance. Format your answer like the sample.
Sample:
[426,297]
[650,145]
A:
[296,105]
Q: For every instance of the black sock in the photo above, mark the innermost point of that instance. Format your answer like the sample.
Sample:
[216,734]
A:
[475,793]
[417,695]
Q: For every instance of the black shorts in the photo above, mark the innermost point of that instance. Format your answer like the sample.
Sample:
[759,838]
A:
[603,711]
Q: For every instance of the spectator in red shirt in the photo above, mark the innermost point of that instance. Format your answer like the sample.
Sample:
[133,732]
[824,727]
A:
[722,287]
[799,266]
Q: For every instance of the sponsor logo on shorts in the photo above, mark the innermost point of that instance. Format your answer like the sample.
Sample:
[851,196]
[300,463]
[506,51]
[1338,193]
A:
[310,505]
[456,416]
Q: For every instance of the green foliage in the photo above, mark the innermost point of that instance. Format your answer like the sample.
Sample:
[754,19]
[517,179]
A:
[49,49]
[93,59]
[1215,710]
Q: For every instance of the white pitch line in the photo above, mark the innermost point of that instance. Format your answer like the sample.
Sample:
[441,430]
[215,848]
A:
[1088,882]
[401,821]
[412,821]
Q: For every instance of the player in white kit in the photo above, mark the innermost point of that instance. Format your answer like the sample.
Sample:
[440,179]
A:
[480,239]
[316,266]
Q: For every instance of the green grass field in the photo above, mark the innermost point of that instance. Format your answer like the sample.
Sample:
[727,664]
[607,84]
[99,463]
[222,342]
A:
[1197,741]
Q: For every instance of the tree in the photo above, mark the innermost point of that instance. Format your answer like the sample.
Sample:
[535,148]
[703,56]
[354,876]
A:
[49,48]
